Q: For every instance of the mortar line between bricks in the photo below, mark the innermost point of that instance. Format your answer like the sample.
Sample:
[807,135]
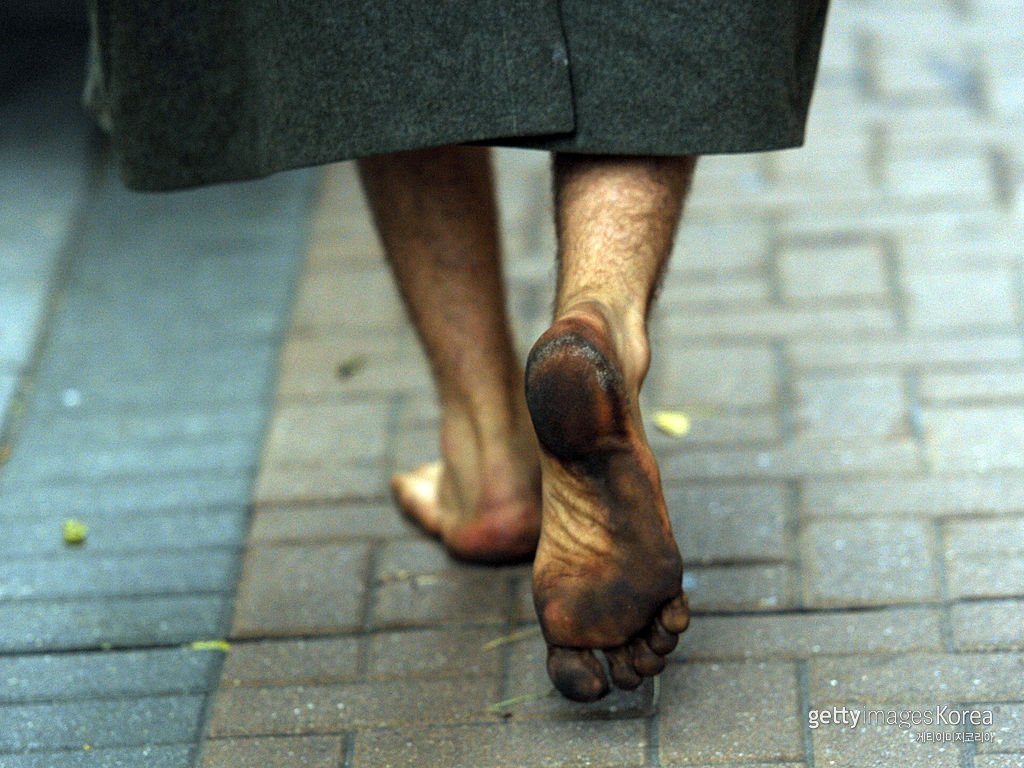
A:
[939,562]
[968,749]
[348,754]
[794,505]
[804,703]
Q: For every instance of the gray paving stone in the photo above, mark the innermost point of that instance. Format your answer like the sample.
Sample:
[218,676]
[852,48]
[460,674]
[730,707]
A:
[120,429]
[106,674]
[127,533]
[615,744]
[839,271]
[977,298]
[801,635]
[293,662]
[180,756]
[125,497]
[148,721]
[877,745]
[993,385]
[124,622]
[78,573]
[985,558]
[867,562]
[740,587]
[738,712]
[19,322]
[934,677]
[980,440]
[1007,729]
[275,752]
[999,761]
[93,465]
[734,375]
[843,407]
[903,352]
[8,386]
[961,495]
[988,625]
[729,522]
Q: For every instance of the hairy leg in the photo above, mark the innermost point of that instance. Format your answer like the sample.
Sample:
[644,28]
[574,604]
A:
[436,216]
[607,574]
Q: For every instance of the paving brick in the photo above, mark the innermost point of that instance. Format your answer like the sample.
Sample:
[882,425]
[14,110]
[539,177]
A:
[274,751]
[988,625]
[795,459]
[922,677]
[905,351]
[729,522]
[612,743]
[448,652]
[999,761]
[178,756]
[292,662]
[740,587]
[322,523]
[978,298]
[873,745]
[364,299]
[49,677]
[843,407]
[139,495]
[198,529]
[80,574]
[827,272]
[867,562]
[301,483]
[992,385]
[8,386]
[117,430]
[125,621]
[800,635]
[146,721]
[714,376]
[710,427]
[530,694]
[1007,729]
[292,710]
[416,585]
[913,496]
[985,558]
[733,711]
[681,293]
[297,590]
[352,365]
[304,434]
[768,321]
[717,247]
[979,439]
[23,305]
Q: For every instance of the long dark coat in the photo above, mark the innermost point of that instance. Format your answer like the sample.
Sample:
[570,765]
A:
[202,91]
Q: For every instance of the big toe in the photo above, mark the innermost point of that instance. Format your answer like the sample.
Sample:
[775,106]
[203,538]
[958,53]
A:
[576,673]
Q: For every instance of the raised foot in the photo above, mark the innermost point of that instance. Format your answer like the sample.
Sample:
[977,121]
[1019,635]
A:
[497,532]
[607,574]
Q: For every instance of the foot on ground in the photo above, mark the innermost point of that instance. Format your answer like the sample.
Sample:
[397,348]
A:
[488,515]
[607,574]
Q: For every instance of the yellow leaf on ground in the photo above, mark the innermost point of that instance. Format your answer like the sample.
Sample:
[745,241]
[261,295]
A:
[210,645]
[672,423]
[74,531]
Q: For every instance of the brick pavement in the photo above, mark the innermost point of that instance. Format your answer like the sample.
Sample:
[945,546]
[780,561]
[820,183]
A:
[844,325]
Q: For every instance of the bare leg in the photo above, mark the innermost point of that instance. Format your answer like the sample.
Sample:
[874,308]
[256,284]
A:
[607,574]
[436,215]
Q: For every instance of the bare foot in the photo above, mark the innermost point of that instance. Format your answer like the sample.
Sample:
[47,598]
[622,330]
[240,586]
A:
[607,574]
[483,509]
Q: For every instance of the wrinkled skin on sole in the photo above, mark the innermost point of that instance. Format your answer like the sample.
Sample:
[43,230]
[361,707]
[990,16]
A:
[607,574]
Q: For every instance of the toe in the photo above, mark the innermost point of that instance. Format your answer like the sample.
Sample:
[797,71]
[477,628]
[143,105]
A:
[620,664]
[645,661]
[660,639]
[416,494]
[675,615]
[576,673]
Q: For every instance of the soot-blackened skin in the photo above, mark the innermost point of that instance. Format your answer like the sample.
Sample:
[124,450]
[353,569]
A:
[629,604]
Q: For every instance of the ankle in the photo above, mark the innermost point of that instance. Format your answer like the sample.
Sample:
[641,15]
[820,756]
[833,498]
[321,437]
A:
[626,329]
